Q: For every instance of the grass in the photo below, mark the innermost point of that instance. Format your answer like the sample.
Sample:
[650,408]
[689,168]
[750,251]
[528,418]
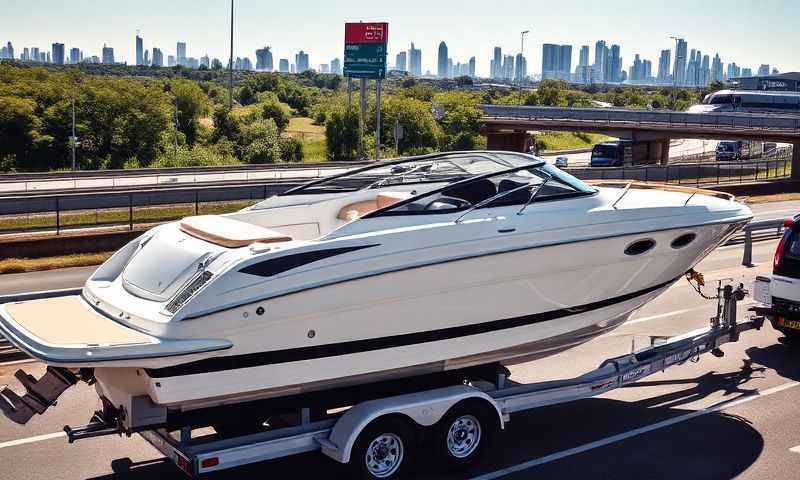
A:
[311,136]
[22,265]
[569,140]
[111,216]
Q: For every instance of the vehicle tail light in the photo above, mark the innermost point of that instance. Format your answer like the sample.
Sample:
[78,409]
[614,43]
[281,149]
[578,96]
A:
[788,222]
[209,462]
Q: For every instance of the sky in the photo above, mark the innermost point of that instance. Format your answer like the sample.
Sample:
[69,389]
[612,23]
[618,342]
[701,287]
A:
[748,32]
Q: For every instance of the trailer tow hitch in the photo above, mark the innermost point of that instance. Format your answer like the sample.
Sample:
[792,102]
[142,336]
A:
[40,394]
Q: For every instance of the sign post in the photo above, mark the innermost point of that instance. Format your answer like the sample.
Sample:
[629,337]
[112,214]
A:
[365,58]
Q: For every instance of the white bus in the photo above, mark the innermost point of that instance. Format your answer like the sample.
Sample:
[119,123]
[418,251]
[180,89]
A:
[749,101]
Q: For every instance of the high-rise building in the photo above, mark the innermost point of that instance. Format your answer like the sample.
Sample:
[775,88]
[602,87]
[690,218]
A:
[171,61]
[324,68]
[283,65]
[636,71]
[441,62]
[181,54]
[679,71]
[336,66]
[557,61]
[48,59]
[472,67]
[763,70]
[10,51]
[400,62]
[264,59]
[58,53]
[26,55]
[508,67]
[600,60]
[301,62]
[108,55]
[205,61]
[615,66]
[664,62]
[716,69]
[35,55]
[415,61]
[520,68]
[216,64]
[158,58]
[565,62]
[497,63]
[139,51]
[734,70]
[583,59]
[747,72]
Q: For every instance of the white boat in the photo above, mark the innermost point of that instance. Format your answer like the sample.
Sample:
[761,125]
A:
[400,268]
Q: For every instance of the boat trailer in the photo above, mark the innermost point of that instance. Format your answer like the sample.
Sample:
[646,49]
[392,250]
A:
[340,436]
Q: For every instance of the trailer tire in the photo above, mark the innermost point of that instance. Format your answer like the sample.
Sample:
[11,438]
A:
[385,449]
[464,434]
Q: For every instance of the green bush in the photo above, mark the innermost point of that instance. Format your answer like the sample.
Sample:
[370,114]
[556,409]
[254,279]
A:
[278,113]
[291,149]
[342,135]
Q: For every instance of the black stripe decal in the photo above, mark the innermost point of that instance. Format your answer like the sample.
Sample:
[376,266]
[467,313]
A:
[285,263]
[248,360]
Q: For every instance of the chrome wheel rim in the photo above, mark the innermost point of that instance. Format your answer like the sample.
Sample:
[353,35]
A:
[384,455]
[464,436]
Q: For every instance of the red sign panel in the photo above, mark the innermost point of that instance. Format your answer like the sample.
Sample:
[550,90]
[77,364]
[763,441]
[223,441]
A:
[366,32]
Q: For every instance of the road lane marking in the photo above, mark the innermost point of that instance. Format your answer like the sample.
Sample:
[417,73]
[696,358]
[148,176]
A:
[38,438]
[662,315]
[724,405]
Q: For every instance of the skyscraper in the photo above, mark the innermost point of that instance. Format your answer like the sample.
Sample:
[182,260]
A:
[181,54]
[615,66]
[58,53]
[147,57]
[600,59]
[508,67]
[763,70]
[520,68]
[497,63]
[336,66]
[10,51]
[158,57]
[108,55]
[139,50]
[26,55]
[472,67]
[301,62]
[716,69]
[664,62]
[584,56]
[550,61]
[264,59]
[400,62]
[679,72]
[415,61]
[171,61]
[747,72]
[441,62]
[283,65]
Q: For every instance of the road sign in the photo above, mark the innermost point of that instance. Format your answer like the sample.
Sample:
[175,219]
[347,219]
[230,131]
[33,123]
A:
[365,50]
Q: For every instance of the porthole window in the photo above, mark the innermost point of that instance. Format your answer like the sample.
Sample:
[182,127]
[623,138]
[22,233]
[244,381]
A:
[639,247]
[683,240]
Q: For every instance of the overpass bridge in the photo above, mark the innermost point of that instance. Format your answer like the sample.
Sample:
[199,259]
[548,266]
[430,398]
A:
[506,127]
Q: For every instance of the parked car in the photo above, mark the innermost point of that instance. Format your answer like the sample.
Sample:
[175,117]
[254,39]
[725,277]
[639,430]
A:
[738,150]
[620,153]
[779,293]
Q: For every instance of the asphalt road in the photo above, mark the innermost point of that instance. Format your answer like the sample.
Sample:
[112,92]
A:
[737,416]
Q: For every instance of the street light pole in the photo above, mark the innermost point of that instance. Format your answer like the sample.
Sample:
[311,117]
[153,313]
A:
[230,66]
[675,74]
[521,60]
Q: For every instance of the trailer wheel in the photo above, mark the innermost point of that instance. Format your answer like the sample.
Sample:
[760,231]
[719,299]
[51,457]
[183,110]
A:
[386,448]
[463,435]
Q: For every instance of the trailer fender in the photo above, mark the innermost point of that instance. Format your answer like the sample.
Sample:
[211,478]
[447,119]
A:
[424,408]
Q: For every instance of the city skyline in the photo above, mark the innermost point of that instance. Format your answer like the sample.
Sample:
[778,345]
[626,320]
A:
[323,50]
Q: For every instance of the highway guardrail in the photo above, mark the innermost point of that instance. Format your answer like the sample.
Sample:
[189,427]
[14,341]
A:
[760,226]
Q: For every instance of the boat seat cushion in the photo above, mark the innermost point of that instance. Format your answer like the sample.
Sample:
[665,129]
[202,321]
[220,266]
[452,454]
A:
[227,232]
[357,210]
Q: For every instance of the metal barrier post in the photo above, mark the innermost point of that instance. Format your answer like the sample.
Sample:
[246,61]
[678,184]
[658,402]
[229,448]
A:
[196,200]
[130,211]
[698,174]
[58,215]
[747,259]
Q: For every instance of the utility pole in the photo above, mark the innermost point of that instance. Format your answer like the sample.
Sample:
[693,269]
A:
[362,117]
[675,74]
[521,60]
[378,119]
[73,140]
[230,66]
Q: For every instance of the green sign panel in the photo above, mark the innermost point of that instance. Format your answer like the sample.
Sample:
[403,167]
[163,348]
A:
[365,60]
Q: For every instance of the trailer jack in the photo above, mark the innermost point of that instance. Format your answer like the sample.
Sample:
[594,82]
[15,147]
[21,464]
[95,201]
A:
[40,394]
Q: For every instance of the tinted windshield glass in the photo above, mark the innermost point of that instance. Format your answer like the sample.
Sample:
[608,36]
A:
[507,188]
[726,146]
[721,99]
[447,168]
[605,151]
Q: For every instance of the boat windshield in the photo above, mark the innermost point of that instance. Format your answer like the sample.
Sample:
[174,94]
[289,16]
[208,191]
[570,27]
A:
[516,186]
[447,168]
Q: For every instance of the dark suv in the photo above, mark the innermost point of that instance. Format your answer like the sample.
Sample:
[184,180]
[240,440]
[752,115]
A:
[780,293]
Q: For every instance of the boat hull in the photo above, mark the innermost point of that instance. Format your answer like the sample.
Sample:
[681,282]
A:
[509,308]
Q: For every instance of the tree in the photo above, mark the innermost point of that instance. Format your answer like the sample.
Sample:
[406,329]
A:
[246,96]
[261,142]
[420,130]
[192,104]
[342,134]
[461,119]
[276,111]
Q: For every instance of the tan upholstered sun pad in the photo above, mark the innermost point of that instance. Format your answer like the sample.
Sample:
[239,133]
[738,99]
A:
[357,210]
[228,232]
[70,321]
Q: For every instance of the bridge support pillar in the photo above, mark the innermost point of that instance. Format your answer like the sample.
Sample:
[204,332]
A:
[796,161]
[517,141]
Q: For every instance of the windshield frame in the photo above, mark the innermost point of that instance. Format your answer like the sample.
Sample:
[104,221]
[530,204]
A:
[489,155]
[579,192]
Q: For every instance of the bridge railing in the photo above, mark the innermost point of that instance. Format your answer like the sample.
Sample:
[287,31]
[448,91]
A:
[730,120]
